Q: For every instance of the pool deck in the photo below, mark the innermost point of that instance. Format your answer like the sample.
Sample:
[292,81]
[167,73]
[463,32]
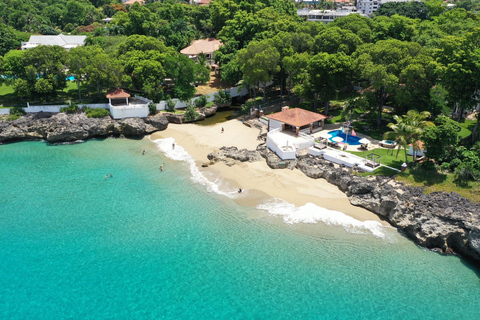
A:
[336,126]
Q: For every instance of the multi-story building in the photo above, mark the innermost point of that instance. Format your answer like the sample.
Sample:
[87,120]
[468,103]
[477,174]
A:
[368,7]
[324,16]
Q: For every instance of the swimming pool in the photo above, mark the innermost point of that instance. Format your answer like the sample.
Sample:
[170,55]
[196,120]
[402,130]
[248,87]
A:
[351,140]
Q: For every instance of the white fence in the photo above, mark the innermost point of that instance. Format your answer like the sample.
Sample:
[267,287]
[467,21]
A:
[56,108]
[131,111]
[4,111]
[234,92]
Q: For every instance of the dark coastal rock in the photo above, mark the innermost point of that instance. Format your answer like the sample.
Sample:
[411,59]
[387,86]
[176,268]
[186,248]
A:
[439,221]
[175,118]
[61,127]
[157,122]
[226,154]
[208,112]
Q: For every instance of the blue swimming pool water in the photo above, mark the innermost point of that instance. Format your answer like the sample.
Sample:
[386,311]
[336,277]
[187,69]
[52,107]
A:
[71,78]
[351,140]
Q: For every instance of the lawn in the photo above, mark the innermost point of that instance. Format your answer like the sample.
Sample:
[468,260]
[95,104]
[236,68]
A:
[9,99]
[389,156]
[4,89]
[434,181]
[467,127]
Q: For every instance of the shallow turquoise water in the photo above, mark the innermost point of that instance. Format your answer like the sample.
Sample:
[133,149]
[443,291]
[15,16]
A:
[146,244]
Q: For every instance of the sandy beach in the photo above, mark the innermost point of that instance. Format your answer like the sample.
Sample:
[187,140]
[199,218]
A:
[257,180]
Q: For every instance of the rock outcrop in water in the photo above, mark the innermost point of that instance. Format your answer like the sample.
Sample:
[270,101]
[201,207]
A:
[61,127]
[446,222]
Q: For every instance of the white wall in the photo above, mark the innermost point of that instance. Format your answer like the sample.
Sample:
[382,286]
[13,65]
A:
[4,111]
[121,112]
[274,124]
[32,109]
[283,154]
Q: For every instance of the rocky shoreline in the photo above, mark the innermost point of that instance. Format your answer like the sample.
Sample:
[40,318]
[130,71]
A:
[441,221]
[61,127]
[445,222]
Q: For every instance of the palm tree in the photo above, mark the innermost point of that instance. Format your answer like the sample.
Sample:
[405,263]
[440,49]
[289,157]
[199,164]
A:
[408,129]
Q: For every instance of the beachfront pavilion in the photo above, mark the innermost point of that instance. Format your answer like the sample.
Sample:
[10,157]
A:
[296,120]
[119,97]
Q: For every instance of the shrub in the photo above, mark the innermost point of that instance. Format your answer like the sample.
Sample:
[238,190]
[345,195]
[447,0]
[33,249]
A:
[16,113]
[445,166]
[191,113]
[96,113]
[152,109]
[222,98]
[455,163]
[171,105]
[201,102]
[73,108]
[246,108]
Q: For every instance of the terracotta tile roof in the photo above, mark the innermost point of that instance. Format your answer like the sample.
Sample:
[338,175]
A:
[202,46]
[297,117]
[131,2]
[117,94]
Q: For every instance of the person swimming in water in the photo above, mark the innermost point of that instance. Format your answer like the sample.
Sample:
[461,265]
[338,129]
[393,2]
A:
[161,167]
[143,153]
[173,146]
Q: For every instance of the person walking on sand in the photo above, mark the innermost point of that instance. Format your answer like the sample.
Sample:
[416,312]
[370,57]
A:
[222,130]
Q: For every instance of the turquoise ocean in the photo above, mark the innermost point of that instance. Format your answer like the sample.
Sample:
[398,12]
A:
[146,244]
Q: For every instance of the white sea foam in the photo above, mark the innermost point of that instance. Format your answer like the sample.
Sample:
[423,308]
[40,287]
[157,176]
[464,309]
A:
[311,213]
[180,154]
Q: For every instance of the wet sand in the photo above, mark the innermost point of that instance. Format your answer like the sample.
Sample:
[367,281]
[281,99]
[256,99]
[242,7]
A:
[258,181]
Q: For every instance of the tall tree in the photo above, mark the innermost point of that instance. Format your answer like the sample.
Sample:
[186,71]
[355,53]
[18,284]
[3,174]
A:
[259,62]
[8,40]
[380,64]
[327,73]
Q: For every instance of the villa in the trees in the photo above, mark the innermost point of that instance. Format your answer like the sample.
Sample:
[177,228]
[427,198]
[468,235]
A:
[205,46]
[65,41]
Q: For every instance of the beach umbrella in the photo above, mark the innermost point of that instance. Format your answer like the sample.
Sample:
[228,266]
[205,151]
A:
[337,139]
[364,141]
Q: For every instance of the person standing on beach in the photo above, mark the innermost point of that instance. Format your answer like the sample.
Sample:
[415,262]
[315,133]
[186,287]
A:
[222,130]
